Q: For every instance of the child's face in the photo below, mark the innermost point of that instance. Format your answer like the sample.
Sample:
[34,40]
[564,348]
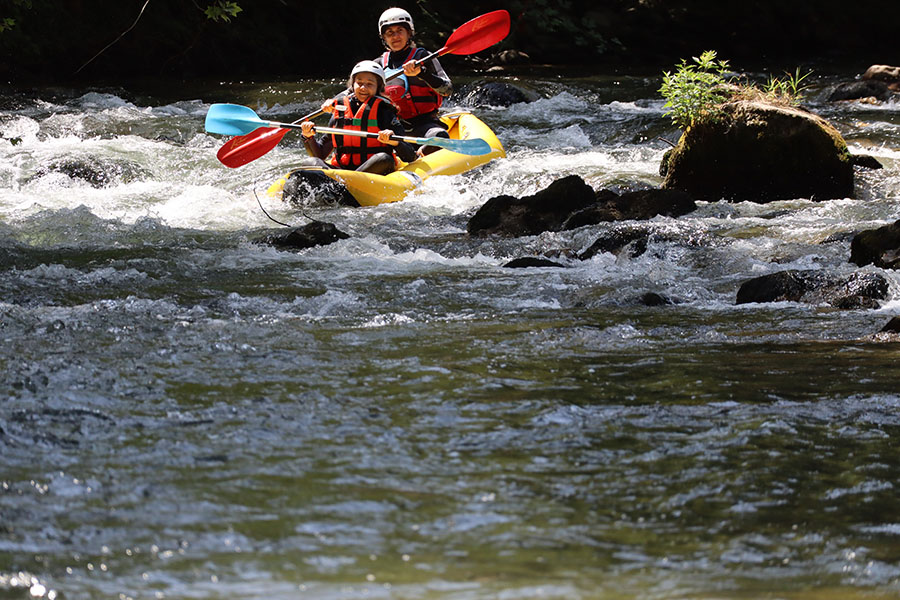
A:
[364,86]
[396,37]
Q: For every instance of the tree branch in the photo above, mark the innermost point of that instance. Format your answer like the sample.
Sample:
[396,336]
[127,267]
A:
[140,14]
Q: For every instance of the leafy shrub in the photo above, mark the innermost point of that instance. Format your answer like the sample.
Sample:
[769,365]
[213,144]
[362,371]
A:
[697,90]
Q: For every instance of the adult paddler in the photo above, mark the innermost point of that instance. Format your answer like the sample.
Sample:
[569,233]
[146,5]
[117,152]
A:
[419,92]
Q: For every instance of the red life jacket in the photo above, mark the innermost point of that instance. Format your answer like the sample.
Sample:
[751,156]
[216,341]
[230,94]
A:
[413,99]
[351,150]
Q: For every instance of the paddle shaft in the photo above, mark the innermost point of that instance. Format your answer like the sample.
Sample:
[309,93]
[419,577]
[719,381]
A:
[402,138]
[354,132]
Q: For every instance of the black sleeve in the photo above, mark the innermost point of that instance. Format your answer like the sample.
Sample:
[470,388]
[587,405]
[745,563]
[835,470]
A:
[388,119]
[434,75]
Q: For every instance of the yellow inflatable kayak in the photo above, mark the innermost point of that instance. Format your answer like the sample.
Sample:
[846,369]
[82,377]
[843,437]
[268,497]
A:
[369,189]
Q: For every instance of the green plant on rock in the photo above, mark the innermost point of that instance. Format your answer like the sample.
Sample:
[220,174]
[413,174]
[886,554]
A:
[696,89]
[789,89]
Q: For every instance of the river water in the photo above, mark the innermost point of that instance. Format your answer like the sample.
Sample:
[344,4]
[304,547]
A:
[188,414]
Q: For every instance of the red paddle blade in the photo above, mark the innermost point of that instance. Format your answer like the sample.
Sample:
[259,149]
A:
[240,150]
[479,33]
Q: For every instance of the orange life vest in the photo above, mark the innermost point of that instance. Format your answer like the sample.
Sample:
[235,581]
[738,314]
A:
[412,96]
[351,150]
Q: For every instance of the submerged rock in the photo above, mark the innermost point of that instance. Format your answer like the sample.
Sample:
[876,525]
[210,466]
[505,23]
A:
[865,161]
[761,152]
[859,290]
[879,247]
[496,93]
[657,299]
[98,172]
[633,239]
[639,205]
[316,233]
[857,90]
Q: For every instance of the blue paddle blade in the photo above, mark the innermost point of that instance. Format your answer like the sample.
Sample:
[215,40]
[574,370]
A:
[473,147]
[231,119]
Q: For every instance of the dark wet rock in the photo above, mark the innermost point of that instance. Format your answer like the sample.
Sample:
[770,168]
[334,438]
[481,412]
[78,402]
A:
[496,93]
[839,237]
[194,423]
[879,247]
[761,152]
[212,458]
[302,187]
[865,161]
[664,163]
[859,290]
[569,203]
[640,205]
[655,299]
[98,172]
[775,214]
[531,261]
[893,326]
[317,233]
[546,210]
[635,239]
[857,90]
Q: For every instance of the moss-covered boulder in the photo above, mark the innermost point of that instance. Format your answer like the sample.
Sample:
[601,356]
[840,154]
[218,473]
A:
[760,152]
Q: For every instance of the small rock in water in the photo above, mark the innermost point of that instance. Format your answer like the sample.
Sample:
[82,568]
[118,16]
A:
[317,233]
[893,326]
[531,261]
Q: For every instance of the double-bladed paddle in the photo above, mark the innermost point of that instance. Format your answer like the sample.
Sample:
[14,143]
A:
[240,150]
[234,119]
[470,37]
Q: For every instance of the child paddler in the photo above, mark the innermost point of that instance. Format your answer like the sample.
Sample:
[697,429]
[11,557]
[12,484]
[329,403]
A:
[363,109]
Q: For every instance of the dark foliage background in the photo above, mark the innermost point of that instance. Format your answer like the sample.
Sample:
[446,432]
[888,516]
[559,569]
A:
[53,39]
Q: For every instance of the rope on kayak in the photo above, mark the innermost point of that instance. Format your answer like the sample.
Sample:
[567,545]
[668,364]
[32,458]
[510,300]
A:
[255,195]
[271,218]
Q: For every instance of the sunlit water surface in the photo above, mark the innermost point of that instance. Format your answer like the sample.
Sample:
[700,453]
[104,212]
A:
[189,414]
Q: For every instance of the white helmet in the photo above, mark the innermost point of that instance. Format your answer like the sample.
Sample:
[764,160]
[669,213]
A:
[368,66]
[395,16]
